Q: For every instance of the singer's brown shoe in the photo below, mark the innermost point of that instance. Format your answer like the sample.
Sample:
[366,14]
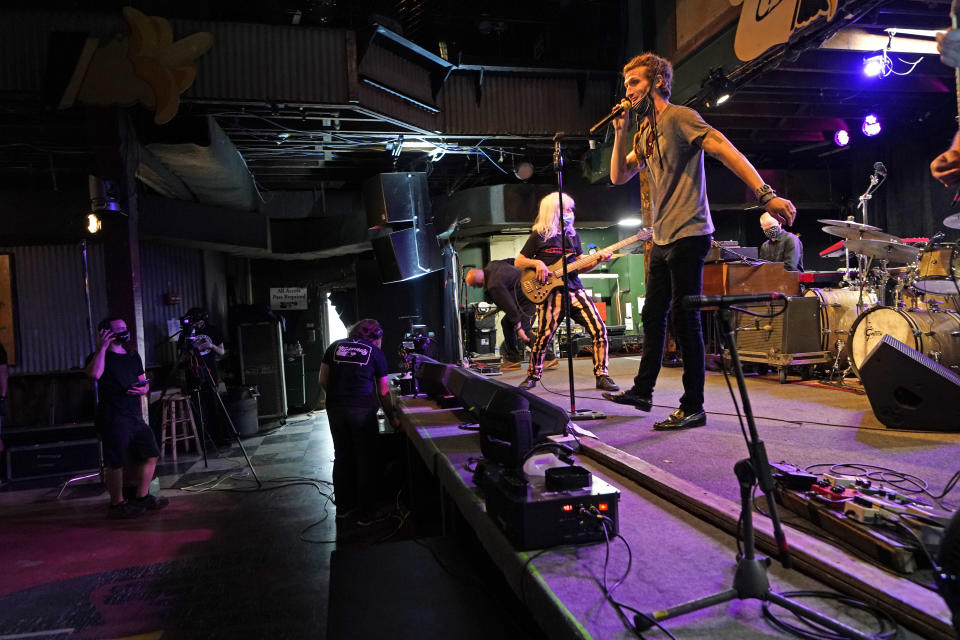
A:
[681,419]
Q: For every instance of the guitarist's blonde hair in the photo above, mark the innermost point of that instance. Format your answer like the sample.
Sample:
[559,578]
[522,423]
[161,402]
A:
[547,223]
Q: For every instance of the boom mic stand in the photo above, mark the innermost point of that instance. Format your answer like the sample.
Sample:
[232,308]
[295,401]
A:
[750,580]
[580,414]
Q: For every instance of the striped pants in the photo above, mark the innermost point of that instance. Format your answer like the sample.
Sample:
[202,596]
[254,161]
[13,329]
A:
[583,312]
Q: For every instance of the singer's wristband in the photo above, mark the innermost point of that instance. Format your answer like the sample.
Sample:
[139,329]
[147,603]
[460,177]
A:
[763,190]
[767,197]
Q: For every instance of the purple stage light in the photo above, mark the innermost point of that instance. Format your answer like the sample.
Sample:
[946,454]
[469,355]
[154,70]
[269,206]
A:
[871,125]
[841,138]
[874,66]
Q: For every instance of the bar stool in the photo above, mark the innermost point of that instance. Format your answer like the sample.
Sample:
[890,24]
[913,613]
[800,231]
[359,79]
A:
[177,424]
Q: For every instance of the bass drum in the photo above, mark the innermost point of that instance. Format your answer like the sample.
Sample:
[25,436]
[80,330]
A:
[838,311]
[935,334]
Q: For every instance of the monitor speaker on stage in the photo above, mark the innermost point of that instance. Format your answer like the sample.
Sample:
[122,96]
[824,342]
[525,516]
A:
[396,197]
[908,390]
[408,253]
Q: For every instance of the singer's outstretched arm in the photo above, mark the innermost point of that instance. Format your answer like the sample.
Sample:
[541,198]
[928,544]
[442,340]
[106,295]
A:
[717,145]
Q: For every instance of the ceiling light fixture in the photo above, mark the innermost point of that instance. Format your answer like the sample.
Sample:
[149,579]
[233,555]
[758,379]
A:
[871,125]
[841,138]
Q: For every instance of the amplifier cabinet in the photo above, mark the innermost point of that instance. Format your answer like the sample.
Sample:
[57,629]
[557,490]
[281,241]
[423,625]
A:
[796,330]
[53,459]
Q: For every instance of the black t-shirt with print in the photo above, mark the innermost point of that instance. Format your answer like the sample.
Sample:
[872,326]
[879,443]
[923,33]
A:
[355,367]
[550,250]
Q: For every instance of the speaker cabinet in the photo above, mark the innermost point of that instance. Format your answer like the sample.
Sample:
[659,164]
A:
[908,390]
[432,376]
[53,459]
[396,197]
[796,330]
[261,366]
[408,253]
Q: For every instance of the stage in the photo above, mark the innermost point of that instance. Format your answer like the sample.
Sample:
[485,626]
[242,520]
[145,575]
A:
[680,502]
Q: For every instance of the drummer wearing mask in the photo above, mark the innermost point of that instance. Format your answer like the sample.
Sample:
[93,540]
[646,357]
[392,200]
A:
[781,246]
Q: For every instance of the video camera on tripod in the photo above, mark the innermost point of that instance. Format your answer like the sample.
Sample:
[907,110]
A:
[417,339]
[190,323]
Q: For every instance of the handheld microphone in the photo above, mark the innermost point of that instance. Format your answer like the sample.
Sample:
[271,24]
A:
[879,169]
[622,107]
[698,302]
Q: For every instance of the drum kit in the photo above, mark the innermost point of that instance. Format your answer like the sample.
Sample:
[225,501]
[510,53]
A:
[920,309]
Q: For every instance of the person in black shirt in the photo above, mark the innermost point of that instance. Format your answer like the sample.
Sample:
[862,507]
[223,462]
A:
[127,439]
[354,375]
[544,247]
[499,281]
[781,246]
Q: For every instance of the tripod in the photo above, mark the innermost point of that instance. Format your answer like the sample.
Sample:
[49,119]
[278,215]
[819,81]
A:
[750,580]
[207,381]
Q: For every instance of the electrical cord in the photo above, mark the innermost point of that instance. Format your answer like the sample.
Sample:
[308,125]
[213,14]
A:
[905,482]
[888,626]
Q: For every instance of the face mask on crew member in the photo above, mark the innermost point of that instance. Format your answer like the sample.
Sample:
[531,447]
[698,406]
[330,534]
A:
[567,218]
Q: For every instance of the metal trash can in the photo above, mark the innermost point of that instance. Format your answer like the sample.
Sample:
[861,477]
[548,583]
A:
[241,403]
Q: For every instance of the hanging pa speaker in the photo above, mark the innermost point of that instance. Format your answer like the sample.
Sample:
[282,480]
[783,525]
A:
[408,254]
[908,390]
[396,197]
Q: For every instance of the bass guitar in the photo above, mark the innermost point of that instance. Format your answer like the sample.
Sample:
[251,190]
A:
[536,291]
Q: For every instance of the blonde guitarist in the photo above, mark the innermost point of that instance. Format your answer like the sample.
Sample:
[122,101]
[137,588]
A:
[543,247]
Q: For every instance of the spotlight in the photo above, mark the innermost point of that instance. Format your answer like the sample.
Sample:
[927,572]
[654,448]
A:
[871,125]
[841,138]
[875,65]
[93,223]
[716,88]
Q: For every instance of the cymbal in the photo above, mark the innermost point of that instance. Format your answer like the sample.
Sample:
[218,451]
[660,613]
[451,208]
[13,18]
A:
[860,234]
[849,224]
[889,251]
[952,221]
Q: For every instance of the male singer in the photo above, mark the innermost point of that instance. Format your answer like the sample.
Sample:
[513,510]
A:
[670,142]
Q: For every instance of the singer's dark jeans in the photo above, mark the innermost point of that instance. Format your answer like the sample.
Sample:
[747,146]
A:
[676,270]
[354,431]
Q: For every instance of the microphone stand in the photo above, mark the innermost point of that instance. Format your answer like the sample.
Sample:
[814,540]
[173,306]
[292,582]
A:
[750,580]
[580,414]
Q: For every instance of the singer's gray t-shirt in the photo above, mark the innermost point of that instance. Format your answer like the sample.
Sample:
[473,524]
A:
[678,186]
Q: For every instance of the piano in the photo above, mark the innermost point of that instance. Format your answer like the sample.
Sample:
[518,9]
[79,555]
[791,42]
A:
[728,278]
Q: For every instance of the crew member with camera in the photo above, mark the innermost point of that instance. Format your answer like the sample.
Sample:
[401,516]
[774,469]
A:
[127,440]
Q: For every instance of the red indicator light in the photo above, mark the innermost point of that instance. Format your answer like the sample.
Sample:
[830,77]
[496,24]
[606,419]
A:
[603,506]
[567,507]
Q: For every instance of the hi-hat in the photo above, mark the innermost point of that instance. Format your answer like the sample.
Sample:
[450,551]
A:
[861,234]
[849,224]
[952,221]
[882,250]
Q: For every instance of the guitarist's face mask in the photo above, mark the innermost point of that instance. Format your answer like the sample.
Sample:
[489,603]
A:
[567,218]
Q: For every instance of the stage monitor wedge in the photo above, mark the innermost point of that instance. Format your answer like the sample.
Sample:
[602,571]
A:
[908,390]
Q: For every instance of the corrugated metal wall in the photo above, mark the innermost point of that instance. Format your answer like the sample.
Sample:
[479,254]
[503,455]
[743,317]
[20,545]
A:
[51,312]
[168,269]
[51,308]
[250,62]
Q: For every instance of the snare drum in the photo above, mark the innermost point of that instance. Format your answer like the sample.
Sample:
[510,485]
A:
[939,269]
[936,334]
[838,311]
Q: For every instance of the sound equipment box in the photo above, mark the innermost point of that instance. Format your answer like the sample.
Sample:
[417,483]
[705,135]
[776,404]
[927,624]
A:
[908,390]
[262,366]
[796,330]
[53,459]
